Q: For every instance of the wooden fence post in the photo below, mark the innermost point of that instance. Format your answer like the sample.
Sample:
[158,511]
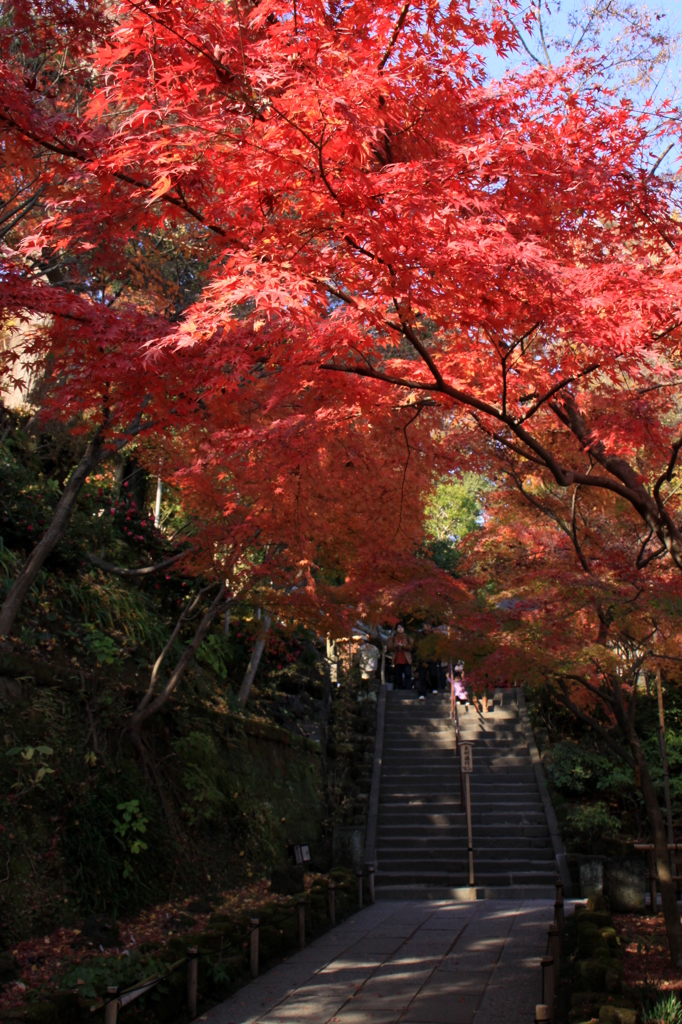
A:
[652,881]
[254,946]
[358,875]
[301,923]
[111,1005]
[192,980]
[547,967]
[555,951]
[372,894]
[559,916]
[331,893]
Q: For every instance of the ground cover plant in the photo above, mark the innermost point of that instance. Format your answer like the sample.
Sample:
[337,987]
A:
[65,973]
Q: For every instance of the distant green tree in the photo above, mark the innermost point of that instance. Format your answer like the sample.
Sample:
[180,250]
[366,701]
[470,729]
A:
[455,507]
[454,510]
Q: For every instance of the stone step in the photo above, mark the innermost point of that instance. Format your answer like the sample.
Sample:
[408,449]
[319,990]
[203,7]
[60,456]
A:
[493,878]
[464,892]
[484,800]
[483,864]
[421,828]
[412,827]
[497,819]
[487,761]
[407,789]
[534,858]
[443,840]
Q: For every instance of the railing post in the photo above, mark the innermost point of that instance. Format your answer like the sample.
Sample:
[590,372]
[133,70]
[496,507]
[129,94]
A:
[111,1006]
[559,919]
[358,875]
[301,923]
[331,894]
[555,951]
[370,873]
[547,966]
[192,980]
[254,946]
[653,876]
[469,829]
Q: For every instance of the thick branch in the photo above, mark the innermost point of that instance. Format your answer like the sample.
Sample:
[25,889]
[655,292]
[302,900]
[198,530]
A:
[117,570]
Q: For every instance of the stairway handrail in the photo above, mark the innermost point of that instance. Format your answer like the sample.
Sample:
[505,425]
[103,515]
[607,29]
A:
[373,810]
[454,713]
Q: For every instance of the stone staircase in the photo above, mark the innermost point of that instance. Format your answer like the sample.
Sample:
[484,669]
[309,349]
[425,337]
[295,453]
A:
[421,839]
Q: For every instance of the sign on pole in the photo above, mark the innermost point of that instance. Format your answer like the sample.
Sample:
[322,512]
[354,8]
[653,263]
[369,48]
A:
[467,762]
[467,758]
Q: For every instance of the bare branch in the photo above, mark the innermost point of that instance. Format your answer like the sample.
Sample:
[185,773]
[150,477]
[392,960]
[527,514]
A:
[145,571]
[557,387]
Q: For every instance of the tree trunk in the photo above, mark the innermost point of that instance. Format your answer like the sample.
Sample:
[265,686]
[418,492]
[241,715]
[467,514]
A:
[148,707]
[52,536]
[671,914]
[254,660]
[634,757]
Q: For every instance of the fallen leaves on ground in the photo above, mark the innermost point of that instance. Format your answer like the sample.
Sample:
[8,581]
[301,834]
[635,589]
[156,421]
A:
[645,952]
[43,959]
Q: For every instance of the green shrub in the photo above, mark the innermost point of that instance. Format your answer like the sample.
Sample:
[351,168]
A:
[91,979]
[587,826]
[203,777]
[590,941]
[110,868]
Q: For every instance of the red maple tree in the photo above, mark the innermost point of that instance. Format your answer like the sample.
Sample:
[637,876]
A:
[378,221]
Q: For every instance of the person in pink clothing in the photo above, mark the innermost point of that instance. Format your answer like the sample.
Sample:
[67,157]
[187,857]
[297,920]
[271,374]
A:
[457,682]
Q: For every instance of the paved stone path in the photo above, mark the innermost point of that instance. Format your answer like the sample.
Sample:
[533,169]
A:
[435,962]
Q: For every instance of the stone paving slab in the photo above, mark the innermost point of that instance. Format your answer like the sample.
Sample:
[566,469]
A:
[408,962]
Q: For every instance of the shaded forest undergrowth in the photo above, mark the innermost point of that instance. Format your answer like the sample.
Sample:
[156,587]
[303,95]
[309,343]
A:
[93,835]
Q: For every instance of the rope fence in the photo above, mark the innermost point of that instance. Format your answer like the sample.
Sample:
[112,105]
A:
[116,998]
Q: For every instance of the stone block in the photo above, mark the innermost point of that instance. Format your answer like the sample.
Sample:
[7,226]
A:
[591,877]
[625,885]
[348,847]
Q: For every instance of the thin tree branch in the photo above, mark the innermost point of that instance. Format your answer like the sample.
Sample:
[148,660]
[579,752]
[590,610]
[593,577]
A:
[595,725]
[394,37]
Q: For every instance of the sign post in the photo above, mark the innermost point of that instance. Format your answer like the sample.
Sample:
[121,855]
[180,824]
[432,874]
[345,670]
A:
[467,757]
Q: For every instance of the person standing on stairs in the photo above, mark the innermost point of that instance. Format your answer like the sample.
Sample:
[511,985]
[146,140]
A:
[400,645]
[428,668]
[456,678]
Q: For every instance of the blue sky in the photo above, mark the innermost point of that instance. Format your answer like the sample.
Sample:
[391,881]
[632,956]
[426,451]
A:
[666,18]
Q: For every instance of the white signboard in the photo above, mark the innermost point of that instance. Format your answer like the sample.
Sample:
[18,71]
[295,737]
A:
[467,758]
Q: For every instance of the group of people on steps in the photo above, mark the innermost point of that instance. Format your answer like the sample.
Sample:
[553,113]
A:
[433,675]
